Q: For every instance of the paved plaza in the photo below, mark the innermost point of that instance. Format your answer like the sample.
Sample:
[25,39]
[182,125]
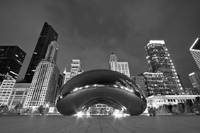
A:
[135,124]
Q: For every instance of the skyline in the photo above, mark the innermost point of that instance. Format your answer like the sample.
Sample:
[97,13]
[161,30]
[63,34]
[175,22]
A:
[92,30]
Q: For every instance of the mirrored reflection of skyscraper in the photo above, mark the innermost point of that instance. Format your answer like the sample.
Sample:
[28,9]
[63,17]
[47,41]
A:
[45,81]
[47,35]
[159,60]
[121,67]
[11,60]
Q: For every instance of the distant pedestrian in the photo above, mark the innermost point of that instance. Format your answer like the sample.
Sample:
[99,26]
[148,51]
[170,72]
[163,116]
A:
[152,111]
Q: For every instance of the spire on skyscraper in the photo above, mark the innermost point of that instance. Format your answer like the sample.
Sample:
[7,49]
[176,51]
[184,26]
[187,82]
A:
[52,50]
[113,57]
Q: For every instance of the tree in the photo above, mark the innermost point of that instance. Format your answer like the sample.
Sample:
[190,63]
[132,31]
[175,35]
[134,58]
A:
[18,107]
[196,107]
[4,108]
[41,109]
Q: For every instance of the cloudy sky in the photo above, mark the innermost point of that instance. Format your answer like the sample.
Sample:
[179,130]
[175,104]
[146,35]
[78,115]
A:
[91,29]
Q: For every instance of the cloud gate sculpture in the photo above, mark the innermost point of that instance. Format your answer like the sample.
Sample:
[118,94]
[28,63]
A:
[101,86]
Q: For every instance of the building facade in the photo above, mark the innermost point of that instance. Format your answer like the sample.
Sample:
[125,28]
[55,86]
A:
[59,85]
[195,51]
[141,81]
[45,81]
[157,101]
[11,60]
[18,94]
[47,35]
[155,84]
[74,70]
[159,60]
[195,81]
[121,67]
[189,91]
[67,76]
[75,67]
[6,89]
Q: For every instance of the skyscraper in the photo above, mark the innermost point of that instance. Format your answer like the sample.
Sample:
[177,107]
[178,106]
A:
[47,35]
[113,62]
[45,81]
[75,70]
[59,85]
[18,94]
[11,60]
[121,67]
[195,51]
[195,81]
[155,84]
[67,76]
[6,89]
[76,67]
[141,81]
[159,60]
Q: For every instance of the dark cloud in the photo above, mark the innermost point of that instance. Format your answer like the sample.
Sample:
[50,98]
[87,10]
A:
[92,29]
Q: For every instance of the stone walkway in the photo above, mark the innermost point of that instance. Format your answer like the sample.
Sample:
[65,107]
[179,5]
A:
[135,124]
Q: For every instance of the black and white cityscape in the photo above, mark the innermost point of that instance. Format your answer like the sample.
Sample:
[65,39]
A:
[99,66]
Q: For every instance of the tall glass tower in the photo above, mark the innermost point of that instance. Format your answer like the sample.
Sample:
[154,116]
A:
[47,35]
[11,60]
[159,60]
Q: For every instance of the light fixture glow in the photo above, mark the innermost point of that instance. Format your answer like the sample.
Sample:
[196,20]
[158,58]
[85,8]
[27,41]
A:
[79,114]
[119,114]
[82,114]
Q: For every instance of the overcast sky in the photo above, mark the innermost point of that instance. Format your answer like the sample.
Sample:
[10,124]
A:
[91,29]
